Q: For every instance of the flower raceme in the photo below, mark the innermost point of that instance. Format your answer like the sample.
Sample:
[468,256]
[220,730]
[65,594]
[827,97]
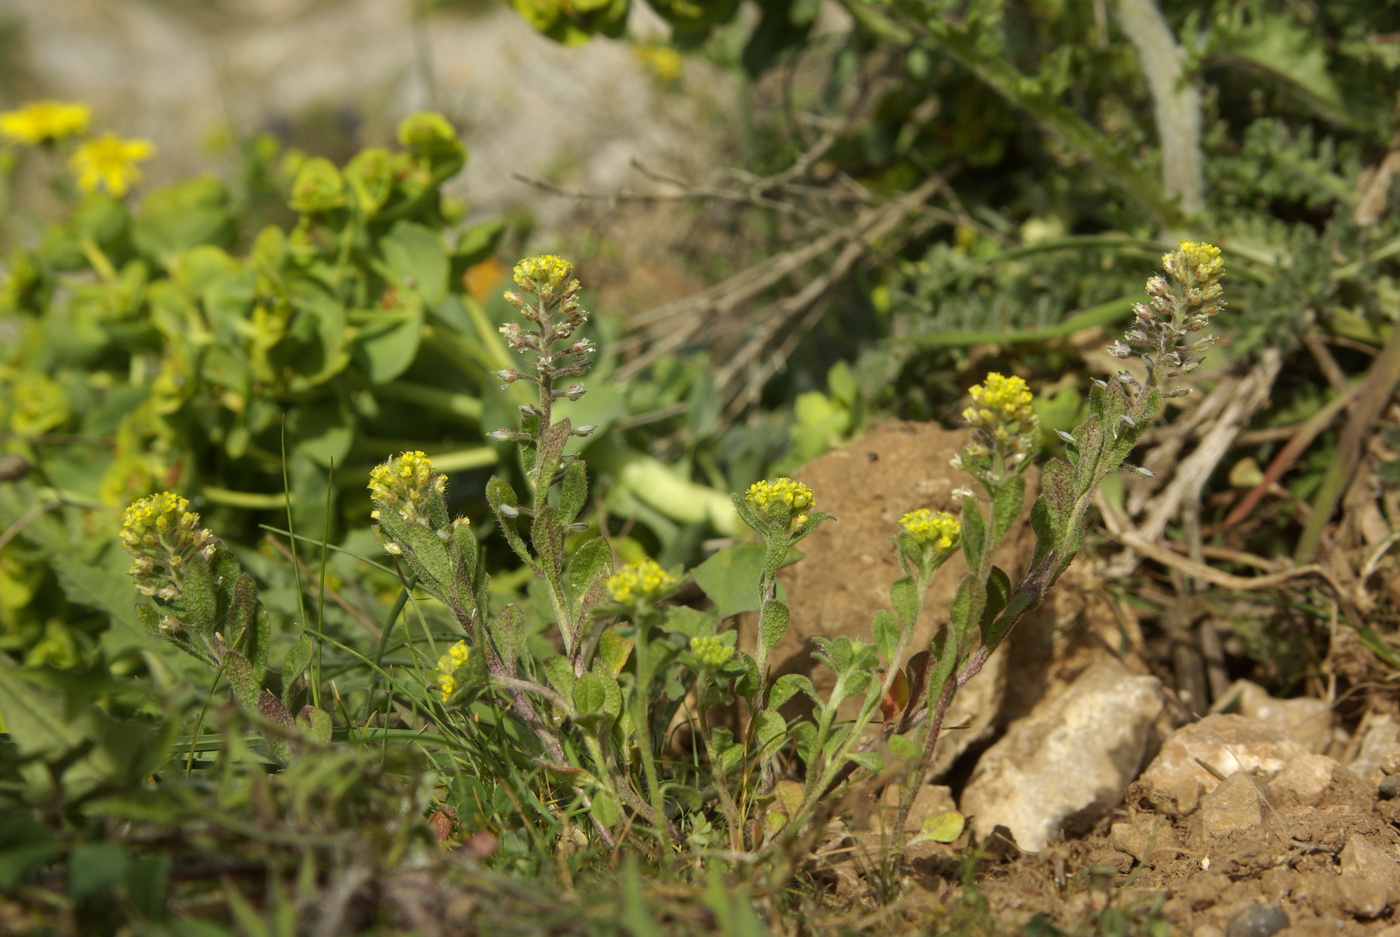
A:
[937,529]
[42,122]
[766,494]
[407,483]
[162,535]
[447,666]
[1182,302]
[638,583]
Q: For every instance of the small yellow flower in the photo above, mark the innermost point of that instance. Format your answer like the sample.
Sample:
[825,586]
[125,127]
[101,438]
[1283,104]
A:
[44,121]
[543,274]
[109,162]
[710,651]
[447,666]
[162,535]
[797,496]
[1000,400]
[406,482]
[639,582]
[937,529]
[1200,259]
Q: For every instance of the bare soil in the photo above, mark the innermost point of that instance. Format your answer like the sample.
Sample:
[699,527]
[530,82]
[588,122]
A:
[1329,867]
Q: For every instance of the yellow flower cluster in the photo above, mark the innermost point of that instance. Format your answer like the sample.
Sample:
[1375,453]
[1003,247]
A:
[447,666]
[106,162]
[543,273]
[710,651]
[937,529]
[109,162]
[405,483]
[46,121]
[797,496]
[1000,400]
[639,582]
[162,535]
[1201,260]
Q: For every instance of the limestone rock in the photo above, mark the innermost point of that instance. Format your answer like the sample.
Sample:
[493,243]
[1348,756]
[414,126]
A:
[1240,802]
[850,562]
[1070,758]
[1378,752]
[1370,879]
[1307,721]
[1177,778]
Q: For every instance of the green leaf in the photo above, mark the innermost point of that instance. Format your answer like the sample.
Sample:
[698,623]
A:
[315,723]
[903,748]
[605,808]
[772,624]
[613,650]
[974,533]
[789,685]
[943,828]
[1006,506]
[549,455]
[588,566]
[25,844]
[1057,494]
[507,632]
[181,216]
[870,761]
[239,674]
[386,341]
[691,622]
[904,596]
[573,491]
[886,632]
[95,867]
[730,578]
[198,600]
[298,659]
[416,260]
[560,674]
[770,729]
[728,752]
[547,537]
[477,243]
[506,506]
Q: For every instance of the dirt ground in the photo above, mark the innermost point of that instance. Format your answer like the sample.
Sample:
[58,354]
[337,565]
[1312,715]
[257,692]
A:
[1238,854]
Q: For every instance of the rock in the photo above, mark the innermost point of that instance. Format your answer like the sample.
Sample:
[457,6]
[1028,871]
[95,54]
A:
[1070,758]
[1370,879]
[1176,780]
[1307,721]
[1316,781]
[1389,788]
[849,564]
[1144,836]
[1260,920]
[1240,802]
[1378,749]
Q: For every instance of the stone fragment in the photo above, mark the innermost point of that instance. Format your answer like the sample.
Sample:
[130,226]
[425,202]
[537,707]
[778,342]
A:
[1143,836]
[1315,781]
[1370,879]
[1237,803]
[1260,920]
[1307,721]
[1070,758]
[1378,751]
[1194,758]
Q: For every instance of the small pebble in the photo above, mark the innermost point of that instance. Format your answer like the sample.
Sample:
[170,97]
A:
[1390,787]
[1261,920]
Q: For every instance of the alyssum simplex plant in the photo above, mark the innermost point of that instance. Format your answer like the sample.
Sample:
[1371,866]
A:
[597,713]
